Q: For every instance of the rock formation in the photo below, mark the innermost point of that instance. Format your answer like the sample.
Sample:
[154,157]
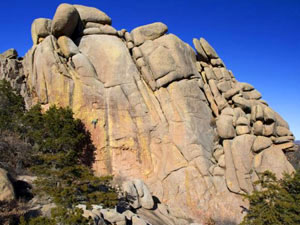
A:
[137,207]
[166,114]
[7,192]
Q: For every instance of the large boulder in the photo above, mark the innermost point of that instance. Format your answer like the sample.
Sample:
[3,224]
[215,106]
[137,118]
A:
[242,157]
[67,46]
[91,14]
[225,127]
[6,188]
[274,160]
[168,59]
[65,20]
[110,59]
[148,32]
[138,194]
[201,54]
[261,143]
[40,29]
[209,50]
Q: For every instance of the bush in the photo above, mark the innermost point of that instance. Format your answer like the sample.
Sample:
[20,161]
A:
[60,215]
[57,133]
[58,149]
[11,211]
[12,107]
[277,202]
[61,149]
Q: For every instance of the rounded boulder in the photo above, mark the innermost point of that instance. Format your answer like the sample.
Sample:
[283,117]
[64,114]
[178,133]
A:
[65,20]
[91,14]
[40,28]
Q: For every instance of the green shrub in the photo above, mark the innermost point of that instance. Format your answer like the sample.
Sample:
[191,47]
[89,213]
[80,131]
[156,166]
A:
[61,149]
[277,202]
[60,152]
[60,215]
[56,133]
[12,107]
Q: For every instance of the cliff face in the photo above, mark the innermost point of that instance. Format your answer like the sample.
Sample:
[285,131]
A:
[157,110]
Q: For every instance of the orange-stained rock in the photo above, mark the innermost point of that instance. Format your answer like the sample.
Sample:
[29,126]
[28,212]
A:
[159,120]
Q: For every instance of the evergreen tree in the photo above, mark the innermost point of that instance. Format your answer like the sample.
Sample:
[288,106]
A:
[277,202]
[12,107]
[60,143]
[60,152]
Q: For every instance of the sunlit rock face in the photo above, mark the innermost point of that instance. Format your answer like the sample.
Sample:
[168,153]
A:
[157,110]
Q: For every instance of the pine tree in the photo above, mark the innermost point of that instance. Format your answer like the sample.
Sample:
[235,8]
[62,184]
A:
[61,144]
[12,107]
[277,202]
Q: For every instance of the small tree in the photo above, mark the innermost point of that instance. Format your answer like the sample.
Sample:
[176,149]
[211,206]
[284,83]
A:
[58,149]
[276,203]
[12,107]
[60,144]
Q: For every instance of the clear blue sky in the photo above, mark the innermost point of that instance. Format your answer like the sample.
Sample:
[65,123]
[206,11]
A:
[259,40]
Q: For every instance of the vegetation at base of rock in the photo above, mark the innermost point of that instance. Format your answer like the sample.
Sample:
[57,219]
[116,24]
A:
[60,148]
[60,215]
[11,211]
[56,132]
[276,202]
[59,152]
[12,107]
[60,143]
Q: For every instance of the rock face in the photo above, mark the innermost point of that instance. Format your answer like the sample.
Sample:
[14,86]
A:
[175,118]
[6,188]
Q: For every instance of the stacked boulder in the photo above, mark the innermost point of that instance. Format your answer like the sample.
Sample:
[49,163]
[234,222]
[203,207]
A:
[11,69]
[137,208]
[251,134]
[159,55]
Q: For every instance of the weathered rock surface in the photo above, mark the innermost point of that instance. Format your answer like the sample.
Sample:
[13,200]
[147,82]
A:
[65,20]
[91,14]
[40,29]
[148,32]
[225,127]
[138,192]
[6,188]
[67,46]
[209,50]
[176,119]
[261,143]
[265,161]
[10,54]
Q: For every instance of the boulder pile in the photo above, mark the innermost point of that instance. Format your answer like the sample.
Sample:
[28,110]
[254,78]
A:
[166,114]
[250,134]
[137,208]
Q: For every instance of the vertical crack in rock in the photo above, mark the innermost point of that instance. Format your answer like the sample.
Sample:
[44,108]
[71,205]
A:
[107,153]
